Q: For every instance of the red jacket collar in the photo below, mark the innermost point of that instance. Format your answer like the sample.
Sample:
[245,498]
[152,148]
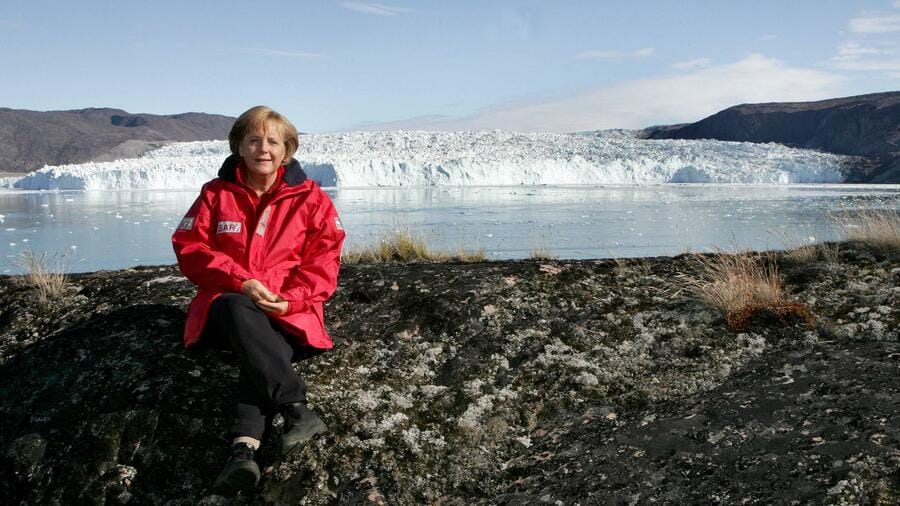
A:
[239,177]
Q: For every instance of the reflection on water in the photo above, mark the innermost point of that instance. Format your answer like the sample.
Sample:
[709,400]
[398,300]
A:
[111,230]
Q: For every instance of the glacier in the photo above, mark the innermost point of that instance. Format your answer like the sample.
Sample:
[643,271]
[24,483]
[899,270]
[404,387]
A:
[482,158]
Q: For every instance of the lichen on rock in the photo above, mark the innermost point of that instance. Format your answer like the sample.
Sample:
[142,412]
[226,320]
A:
[500,382]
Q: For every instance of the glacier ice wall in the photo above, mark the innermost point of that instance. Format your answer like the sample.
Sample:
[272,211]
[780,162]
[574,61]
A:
[399,158]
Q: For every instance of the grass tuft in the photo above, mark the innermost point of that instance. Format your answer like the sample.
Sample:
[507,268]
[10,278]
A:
[879,230]
[46,274]
[542,254]
[798,248]
[742,285]
[474,255]
[804,254]
[401,246]
[831,252]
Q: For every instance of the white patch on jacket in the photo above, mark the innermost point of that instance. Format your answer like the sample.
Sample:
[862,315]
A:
[229,227]
[187,223]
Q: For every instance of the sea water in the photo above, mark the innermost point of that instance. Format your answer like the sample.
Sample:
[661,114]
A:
[95,230]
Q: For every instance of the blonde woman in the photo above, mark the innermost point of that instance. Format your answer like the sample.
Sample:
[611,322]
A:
[262,243]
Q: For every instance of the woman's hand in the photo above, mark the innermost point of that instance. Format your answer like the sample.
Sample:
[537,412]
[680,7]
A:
[257,291]
[262,297]
[279,307]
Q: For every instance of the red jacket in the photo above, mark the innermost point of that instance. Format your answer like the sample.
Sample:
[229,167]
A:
[289,239]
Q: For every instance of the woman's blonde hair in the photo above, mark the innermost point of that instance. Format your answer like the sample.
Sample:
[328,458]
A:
[256,117]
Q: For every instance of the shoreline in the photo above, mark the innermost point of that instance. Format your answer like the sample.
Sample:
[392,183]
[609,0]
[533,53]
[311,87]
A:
[617,260]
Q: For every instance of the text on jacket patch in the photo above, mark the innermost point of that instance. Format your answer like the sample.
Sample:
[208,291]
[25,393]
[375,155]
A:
[229,227]
[187,223]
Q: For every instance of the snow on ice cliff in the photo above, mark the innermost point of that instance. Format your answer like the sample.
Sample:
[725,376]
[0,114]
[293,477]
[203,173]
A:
[399,158]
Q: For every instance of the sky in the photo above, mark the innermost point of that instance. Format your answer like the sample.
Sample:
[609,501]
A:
[524,65]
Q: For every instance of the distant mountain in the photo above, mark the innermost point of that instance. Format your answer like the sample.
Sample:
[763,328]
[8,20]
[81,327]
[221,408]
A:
[864,125]
[31,139]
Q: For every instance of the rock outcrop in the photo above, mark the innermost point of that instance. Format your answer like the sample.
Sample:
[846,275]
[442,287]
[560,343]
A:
[31,139]
[559,382]
[864,125]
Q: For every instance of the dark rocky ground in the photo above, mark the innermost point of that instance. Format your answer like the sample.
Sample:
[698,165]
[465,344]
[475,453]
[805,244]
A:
[562,382]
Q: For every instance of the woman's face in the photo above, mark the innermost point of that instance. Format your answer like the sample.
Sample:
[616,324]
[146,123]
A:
[262,150]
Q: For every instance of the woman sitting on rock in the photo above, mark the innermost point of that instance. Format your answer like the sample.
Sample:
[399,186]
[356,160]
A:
[262,243]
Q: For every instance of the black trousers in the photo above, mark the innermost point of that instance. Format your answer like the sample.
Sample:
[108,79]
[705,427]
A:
[265,353]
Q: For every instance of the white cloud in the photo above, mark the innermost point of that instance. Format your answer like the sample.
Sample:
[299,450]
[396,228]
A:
[612,54]
[855,50]
[874,48]
[875,23]
[699,63]
[855,56]
[373,8]
[278,52]
[768,36]
[644,102]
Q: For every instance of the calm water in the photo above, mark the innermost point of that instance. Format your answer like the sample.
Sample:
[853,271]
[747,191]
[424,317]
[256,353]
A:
[111,230]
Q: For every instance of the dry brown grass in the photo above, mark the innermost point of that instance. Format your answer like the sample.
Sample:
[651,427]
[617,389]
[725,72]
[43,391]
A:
[803,249]
[798,247]
[878,229]
[631,266]
[831,252]
[804,254]
[645,266]
[742,285]
[621,269]
[401,246]
[542,254]
[46,274]
[470,255]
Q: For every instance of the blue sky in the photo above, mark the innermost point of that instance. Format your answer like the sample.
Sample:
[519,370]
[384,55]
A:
[526,65]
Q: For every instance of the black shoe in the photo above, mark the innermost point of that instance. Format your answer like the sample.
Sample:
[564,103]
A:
[300,425]
[241,472]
